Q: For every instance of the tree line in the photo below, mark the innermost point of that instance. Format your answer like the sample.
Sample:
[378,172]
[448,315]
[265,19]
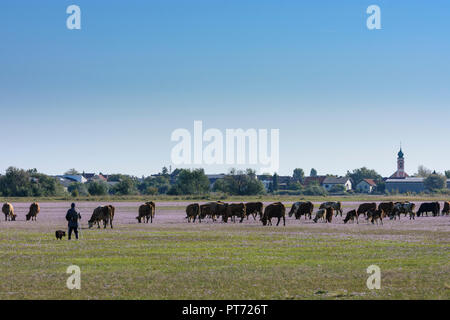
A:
[30,183]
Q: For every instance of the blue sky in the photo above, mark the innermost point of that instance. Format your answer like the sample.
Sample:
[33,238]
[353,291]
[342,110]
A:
[107,97]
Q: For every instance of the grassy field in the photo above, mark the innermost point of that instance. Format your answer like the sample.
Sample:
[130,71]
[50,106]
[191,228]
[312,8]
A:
[172,259]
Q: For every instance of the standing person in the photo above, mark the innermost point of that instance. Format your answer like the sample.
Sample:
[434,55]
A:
[72,217]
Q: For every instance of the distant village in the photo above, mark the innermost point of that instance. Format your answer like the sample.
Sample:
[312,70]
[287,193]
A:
[398,182]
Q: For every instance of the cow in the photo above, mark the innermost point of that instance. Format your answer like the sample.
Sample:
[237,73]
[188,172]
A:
[432,207]
[146,212]
[192,212]
[213,210]
[235,210]
[375,215]
[365,207]
[387,207]
[351,215]
[320,214]
[301,208]
[274,210]
[254,209]
[102,213]
[405,208]
[446,209]
[8,210]
[336,206]
[329,214]
[33,212]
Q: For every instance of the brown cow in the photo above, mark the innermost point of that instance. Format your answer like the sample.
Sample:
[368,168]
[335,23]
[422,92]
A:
[8,210]
[274,210]
[192,212]
[33,212]
[254,209]
[235,210]
[329,214]
[213,210]
[365,207]
[375,215]
[103,213]
[387,207]
[446,209]
[146,212]
[351,215]
[301,208]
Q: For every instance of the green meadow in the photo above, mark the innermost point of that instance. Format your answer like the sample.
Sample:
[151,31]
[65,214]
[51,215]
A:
[218,261]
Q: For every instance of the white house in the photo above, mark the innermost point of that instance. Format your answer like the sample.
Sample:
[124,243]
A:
[329,182]
[366,186]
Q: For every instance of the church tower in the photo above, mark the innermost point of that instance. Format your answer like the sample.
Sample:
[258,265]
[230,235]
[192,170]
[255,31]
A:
[400,173]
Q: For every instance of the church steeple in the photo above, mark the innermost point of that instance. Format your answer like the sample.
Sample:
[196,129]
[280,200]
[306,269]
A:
[400,173]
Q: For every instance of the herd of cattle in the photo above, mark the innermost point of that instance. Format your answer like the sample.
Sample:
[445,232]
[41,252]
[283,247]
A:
[232,211]
[371,211]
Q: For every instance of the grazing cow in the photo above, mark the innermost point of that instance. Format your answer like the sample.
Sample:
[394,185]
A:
[33,212]
[375,215]
[235,210]
[221,210]
[329,214]
[302,208]
[433,207]
[351,215]
[446,209]
[405,208]
[8,210]
[387,207]
[274,210]
[336,206]
[103,213]
[59,234]
[254,209]
[192,211]
[320,214]
[213,210]
[146,212]
[365,207]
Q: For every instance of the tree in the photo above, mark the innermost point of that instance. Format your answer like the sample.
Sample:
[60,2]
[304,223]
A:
[72,172]
[190,182]
[360,174]
[315,190]
[78,189]
[20,183]
[422,171]
[126,186]
[447,174]
[97,188]
[239,183]
[338,188]
[313,173]
[435,182]
[298,174]
[160,183]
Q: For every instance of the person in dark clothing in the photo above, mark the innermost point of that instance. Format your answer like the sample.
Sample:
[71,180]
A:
[72,217]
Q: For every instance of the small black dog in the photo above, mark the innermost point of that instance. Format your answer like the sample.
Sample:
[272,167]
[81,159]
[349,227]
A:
[59,234]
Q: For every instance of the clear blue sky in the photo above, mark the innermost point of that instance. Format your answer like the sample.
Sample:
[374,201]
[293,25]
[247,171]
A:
[107,97]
